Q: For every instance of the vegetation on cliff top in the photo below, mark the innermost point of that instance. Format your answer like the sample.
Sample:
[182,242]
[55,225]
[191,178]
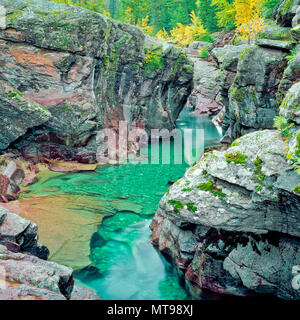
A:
[185,21]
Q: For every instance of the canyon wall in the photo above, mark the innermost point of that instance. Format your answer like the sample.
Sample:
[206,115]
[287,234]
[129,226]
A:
[67,72]
[231,225]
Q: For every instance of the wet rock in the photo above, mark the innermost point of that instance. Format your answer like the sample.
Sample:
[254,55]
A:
[70,167]
[83,293]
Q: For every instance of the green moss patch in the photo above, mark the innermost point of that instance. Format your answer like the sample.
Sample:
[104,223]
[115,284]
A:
[177,205]
[212,188]
[191,207]
[297,189]
[153,61]
[236,157]
[187,189]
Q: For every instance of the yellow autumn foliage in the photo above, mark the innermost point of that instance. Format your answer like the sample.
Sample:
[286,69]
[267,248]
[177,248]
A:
[163,35]
[183,35]
[244,14]
[145,26]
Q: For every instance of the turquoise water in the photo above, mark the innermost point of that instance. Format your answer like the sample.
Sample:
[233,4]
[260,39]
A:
[126,265]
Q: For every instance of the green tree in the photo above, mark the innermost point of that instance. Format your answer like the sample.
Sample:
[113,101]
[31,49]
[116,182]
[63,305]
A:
[94,5]
[133,11]
[207,13]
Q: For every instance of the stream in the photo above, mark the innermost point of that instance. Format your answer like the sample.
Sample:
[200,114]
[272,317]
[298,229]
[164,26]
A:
[125,265]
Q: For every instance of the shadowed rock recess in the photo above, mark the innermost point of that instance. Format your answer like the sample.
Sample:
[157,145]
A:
[74,72]
[232,223]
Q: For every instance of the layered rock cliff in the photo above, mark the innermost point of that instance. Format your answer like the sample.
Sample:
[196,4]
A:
[75,72]
[231,224]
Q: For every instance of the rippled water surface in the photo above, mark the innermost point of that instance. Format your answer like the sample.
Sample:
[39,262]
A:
[126,266]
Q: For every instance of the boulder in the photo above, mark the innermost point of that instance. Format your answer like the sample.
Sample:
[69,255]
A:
[229,191]
[14,172]
[231,224]
[275,44]
[19,234]
[34,272]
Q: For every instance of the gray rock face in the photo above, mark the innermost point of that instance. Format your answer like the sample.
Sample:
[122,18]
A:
[34,272]
[205,97]
[266,267]
[17,114]
[88,71]
[231,224]
[290,76]
[290,107]
[286,11]
[249,80]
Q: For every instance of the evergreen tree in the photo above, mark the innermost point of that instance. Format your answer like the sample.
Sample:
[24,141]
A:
[207,13]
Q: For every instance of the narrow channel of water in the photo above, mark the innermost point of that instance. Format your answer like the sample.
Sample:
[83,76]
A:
[69,209]
[128,267]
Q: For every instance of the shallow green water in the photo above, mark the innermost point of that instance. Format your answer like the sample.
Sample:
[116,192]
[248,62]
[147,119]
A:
[127,265]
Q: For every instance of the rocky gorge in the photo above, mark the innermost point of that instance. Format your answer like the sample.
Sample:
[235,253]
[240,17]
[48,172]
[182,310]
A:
[231,224]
